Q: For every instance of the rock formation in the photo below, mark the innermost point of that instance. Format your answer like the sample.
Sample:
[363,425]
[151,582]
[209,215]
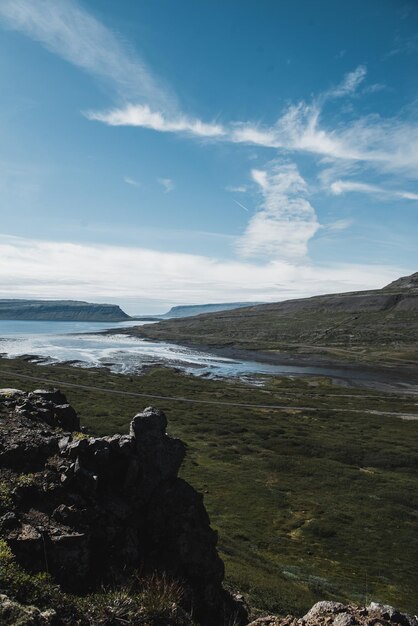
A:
[327,613]
[90,511]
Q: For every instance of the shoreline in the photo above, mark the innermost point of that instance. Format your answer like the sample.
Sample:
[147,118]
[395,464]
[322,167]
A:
[388,377]
[244,363]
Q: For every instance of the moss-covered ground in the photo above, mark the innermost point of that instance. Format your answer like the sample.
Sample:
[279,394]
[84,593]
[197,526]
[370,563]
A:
[365,336]
[308,504]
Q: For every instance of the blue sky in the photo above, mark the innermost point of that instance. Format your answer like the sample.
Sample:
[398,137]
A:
[156,153]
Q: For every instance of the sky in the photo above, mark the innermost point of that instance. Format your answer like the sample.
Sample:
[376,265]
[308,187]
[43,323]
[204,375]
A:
[156,153]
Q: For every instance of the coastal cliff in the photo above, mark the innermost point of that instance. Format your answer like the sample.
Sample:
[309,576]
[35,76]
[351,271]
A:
[60,311]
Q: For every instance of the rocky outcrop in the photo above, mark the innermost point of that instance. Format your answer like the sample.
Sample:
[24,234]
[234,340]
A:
[328,613]
[92,510]
[12,612]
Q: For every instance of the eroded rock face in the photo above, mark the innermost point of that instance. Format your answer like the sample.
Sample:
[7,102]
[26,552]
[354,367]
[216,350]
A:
[91,510]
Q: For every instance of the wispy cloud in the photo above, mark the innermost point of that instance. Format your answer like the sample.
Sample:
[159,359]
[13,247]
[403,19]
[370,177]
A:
[65,28]
[75,35]
[131,181]
[337,226]
[404,45]
[339,187]
[387,144]
[143,116]
[285,221]
[167,184]
[33,268]
[350,83]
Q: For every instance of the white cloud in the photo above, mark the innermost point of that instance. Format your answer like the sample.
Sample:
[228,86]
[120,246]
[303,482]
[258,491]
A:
[67,30]
[45,269]
[389,145]
[167,184]
[386,144]
[131,181]
[408,195]
[339,187]
[143,116]
[285,222]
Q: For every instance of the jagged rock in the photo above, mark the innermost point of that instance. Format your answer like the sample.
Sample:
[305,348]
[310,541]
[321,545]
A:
[343,619]
[8,392]
[26,450]
[268,620]
[321,608]
[67,417]
[388,612]
[69,515]
[328,613]
[94,509]
[15,614]
[55,396]
[8,521]
[160,455]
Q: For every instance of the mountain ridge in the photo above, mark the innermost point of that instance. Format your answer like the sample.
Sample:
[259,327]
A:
[357,322]
[188,310]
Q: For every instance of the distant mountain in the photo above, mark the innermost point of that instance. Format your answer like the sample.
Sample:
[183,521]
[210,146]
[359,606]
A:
[197,309]
[60,311]
[380,322]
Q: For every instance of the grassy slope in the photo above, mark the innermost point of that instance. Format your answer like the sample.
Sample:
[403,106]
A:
[316,325]
[308,505]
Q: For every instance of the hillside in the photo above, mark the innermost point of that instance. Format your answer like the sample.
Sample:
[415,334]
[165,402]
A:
[326,484]
[197,309]
[60,311]
[365,323]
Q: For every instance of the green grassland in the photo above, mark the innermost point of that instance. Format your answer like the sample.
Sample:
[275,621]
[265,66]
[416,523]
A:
[365,336]
[309,505]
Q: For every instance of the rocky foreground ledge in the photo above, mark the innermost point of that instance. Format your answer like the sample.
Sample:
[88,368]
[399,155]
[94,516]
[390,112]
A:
[327,613]
[79,515]
[91,511]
